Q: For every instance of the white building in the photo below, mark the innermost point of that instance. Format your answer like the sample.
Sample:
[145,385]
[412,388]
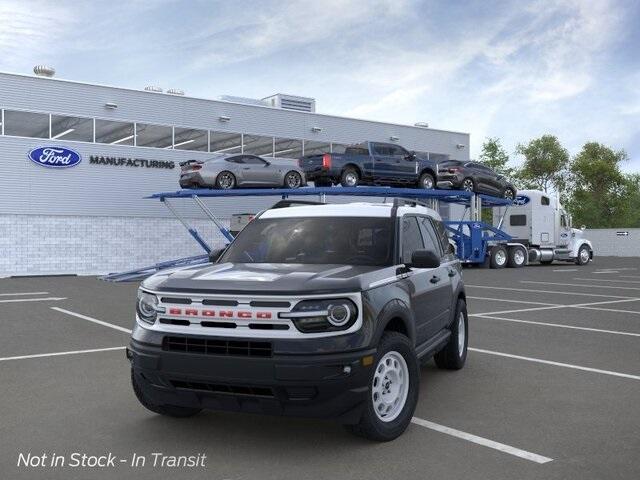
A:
[92,218]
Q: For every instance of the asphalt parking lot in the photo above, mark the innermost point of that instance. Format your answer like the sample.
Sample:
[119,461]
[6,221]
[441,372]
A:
[551,390]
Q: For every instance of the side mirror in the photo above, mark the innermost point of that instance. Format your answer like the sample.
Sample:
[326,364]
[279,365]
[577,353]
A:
[424,259]
[267,163]
[410,156]
[215,254]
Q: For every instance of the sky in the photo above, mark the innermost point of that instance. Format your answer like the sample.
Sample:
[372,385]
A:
[514,70]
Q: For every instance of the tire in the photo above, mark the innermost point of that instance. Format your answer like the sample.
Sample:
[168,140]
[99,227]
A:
[426,182]
[292,180]
[349,177]
[517,257]
[509,193]
[468,185]
[454,355]
[546,262]
[395,354]
[225,180]
[584,255]
[167,410]
[498,257]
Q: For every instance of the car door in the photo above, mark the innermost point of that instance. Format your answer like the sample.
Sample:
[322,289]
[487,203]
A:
[436,239]
[479,176]
[404,167]
[382,162]
[422,282]
[257,171]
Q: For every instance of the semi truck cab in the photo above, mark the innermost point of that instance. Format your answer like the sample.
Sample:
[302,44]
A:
[538,221]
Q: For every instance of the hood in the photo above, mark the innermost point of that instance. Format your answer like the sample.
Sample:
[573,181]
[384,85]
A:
[266,278]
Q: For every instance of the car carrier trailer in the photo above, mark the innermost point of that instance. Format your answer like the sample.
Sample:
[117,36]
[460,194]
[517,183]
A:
[476,242]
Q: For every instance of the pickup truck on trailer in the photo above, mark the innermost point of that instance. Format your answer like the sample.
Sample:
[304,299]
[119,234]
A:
[371,163]
[316,310]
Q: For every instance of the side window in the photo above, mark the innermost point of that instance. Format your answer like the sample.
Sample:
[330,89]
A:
[251,160]
[431,241]
[442,234]
[411,238]
[381,149]
[544,201]
[563,221]
[398,151]
[238,159]
[518,220]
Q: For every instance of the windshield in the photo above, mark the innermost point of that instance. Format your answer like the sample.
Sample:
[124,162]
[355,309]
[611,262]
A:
[316,240]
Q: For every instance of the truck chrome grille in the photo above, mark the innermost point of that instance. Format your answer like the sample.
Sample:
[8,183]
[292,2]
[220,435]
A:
[210,346]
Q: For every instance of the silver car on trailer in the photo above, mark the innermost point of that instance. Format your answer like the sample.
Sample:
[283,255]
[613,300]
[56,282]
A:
[241,170]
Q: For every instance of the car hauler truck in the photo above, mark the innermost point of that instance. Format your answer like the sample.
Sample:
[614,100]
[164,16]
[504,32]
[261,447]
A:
[538,224]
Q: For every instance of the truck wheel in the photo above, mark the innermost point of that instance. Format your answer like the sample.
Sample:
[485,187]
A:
[468,185]
[454,355]
[393,390]
[584,255]
[517,257]
[225,180]
[426,181]
[349,177]
[498,257]
[167,410]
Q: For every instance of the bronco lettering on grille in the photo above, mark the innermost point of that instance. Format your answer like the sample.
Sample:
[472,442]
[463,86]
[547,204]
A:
[242,314]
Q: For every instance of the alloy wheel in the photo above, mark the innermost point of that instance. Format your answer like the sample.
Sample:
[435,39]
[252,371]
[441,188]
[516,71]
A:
[390,386]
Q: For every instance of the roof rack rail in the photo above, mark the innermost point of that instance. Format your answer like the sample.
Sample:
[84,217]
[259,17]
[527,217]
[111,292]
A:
[292,203]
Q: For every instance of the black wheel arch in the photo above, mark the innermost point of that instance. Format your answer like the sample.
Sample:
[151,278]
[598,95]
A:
[353,166]
[396,316]
[428,170]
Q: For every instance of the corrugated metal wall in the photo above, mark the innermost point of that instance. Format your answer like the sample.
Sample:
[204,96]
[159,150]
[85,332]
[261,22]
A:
[620,242]
[103,190]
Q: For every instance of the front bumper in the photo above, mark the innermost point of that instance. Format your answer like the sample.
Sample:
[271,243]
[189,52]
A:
[322,386]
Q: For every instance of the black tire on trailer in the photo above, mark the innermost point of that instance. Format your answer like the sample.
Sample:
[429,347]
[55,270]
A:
[468,185]
[225,180]
[517,257]
[167,410]
[498,257]
[454,354]
[349,177]
[292,180]
[426,182]
[393,390]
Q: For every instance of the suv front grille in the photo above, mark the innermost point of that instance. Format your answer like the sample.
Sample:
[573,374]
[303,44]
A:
[205,346]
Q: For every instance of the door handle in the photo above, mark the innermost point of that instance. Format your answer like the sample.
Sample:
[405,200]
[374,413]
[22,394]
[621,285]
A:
[452,273]
[247,168]
[434,279]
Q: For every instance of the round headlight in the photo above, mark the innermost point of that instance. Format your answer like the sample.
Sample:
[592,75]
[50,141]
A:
[147,307]
[339,314]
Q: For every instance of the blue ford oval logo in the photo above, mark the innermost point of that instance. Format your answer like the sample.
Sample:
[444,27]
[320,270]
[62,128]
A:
[55,157]
[521,200]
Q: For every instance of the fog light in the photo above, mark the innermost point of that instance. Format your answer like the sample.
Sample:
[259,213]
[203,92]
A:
[368,360]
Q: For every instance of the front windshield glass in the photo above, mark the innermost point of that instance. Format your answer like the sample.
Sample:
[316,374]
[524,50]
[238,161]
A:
[314,240]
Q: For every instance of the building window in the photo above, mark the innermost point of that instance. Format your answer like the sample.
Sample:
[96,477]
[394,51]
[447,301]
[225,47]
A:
[190,139]
[287,148]
[156,136]
[316,148]
[338,148]
[71,128]
[222,142]
[26,124]
[114,133]
[258,145]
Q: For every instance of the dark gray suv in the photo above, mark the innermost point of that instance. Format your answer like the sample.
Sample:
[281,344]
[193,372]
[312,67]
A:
[316,310]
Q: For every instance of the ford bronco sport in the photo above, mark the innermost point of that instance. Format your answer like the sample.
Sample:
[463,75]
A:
[317,310]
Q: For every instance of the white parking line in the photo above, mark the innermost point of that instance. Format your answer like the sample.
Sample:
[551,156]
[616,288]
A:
[615,287]
[566,270]
[91,319]
[606,280]
[529,290]
[20,300]
[558,325]
[556,306]
[556,364]
[57,354]
[23,293]
[629,276]
[527,302]
[485,442]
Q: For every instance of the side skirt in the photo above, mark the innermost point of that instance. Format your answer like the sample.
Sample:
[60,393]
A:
[431,346]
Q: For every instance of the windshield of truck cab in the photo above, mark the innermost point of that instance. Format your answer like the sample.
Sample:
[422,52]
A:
[314,240]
